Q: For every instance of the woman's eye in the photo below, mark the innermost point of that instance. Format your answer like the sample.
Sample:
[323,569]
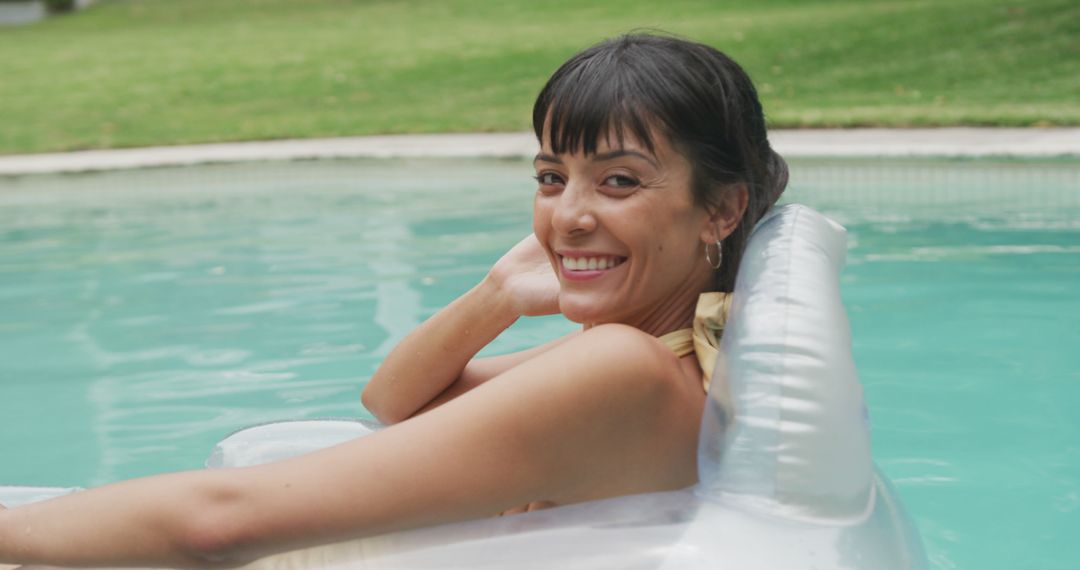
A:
[620,181]
[549,178]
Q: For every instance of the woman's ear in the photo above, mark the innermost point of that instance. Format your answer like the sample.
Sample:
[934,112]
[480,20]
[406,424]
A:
[726,213]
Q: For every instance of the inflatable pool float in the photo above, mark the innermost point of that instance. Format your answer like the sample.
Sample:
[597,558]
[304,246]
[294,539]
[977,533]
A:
[787,483]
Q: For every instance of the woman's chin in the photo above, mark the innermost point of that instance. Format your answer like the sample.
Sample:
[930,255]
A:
[584,312]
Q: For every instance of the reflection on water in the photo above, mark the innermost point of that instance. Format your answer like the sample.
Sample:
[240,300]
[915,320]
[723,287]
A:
[171,307]
[148,314]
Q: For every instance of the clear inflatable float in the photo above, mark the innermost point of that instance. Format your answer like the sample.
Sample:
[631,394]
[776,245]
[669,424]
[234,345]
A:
[788,482]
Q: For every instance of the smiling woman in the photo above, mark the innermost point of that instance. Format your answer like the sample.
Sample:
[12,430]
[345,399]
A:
[654,166]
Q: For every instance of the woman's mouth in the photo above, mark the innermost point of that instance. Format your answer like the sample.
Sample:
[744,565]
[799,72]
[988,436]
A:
[588,266]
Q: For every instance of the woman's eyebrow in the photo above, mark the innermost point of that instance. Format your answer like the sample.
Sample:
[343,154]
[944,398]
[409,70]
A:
[601,157]
[547,158]
[623,152]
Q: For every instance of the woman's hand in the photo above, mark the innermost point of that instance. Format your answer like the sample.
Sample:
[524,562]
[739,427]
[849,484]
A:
[525,275]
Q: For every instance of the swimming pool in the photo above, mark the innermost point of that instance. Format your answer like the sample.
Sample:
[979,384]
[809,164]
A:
[149,313]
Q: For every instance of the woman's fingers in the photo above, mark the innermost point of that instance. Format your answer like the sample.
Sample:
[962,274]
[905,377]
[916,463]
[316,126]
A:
[525,274]
[513,511]
[533,506]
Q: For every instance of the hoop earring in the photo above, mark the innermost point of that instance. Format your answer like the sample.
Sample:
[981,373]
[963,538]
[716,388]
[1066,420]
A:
[719,255]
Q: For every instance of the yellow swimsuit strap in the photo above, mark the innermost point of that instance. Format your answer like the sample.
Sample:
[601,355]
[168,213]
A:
[704,338]
[681,342]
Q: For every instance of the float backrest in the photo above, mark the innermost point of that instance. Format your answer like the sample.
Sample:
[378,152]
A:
[798,446]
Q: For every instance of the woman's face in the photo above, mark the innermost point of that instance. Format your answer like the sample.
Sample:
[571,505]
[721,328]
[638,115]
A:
[622,231]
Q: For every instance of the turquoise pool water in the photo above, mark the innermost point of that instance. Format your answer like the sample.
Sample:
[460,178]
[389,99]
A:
[147,314]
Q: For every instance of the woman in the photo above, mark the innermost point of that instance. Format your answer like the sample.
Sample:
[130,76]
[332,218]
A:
[654,165]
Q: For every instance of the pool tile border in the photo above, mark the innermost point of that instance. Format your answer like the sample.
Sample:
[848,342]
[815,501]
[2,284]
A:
[945,142]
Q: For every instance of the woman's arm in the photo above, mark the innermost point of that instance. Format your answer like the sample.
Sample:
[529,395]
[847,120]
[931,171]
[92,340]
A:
[2,565]
[599,416]
[436,359]
[480,370]
[144,522]
[434,355]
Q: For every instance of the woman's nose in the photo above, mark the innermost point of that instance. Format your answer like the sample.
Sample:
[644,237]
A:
[574,213]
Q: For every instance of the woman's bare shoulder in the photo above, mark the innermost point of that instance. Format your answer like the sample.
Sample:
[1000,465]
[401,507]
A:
[628,350]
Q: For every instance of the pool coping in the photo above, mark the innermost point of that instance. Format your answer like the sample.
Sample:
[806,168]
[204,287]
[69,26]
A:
[953,142]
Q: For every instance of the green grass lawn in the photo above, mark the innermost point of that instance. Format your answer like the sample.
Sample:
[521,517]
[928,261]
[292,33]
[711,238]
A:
[148,72]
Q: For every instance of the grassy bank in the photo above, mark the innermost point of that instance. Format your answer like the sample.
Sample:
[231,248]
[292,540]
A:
[148,72]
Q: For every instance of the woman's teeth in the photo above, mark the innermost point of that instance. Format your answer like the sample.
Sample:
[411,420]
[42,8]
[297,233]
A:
[590,263]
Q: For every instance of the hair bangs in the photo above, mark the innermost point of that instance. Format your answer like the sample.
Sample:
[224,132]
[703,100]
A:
[588,99]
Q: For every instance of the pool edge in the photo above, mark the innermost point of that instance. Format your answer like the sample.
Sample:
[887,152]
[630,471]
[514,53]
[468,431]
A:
[955,142]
